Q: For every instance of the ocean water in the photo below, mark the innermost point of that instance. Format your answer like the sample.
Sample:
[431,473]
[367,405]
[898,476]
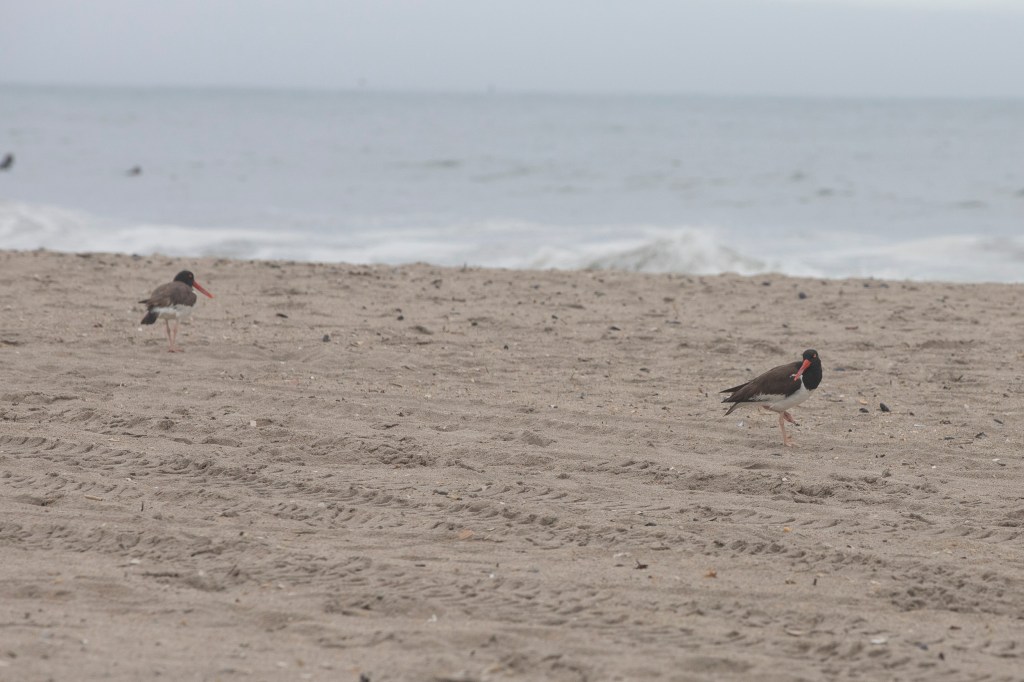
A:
[907,189]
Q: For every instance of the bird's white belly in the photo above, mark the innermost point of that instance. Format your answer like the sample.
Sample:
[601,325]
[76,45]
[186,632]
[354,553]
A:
[781,403]
[173,312]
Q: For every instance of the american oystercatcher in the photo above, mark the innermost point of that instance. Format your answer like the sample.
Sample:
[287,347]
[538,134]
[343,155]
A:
[780,388]
[173,301]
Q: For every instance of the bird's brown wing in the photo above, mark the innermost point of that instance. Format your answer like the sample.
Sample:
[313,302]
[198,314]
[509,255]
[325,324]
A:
[172,293]
[777,381]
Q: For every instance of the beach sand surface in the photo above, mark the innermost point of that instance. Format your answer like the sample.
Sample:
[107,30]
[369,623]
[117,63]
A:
[420,473]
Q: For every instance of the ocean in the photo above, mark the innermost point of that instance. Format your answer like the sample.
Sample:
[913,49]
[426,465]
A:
[904,189]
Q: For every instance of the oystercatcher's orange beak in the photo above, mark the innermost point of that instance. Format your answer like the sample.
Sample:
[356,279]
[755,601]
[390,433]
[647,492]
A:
[209,295]
[796,377]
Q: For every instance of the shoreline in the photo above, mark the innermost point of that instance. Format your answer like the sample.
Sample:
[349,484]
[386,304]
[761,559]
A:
[504,474]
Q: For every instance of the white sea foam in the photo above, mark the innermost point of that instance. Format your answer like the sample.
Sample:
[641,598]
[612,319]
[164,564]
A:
[516,244]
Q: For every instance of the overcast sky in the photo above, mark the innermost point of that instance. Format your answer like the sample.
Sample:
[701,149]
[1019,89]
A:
[805,47]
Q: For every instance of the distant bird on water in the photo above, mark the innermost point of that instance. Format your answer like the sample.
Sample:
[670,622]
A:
[7,162]
[780,388]
[173,301]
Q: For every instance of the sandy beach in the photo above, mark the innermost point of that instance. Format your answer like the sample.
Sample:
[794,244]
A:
[418,473]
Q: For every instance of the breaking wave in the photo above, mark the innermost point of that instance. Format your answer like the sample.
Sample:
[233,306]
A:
[521,245]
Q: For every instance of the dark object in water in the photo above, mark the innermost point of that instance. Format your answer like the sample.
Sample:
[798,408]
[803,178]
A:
[134,170]
[7,162]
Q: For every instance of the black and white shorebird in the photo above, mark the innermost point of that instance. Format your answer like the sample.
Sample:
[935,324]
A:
[173,301]
[779,389]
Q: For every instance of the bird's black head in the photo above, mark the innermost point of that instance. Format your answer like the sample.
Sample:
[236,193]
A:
[810,369]
[186,277]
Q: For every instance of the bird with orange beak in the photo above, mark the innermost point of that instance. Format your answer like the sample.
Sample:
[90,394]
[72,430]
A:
[173,301]
[779,389]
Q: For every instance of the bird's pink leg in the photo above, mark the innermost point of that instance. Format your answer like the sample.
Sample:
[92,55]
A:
[782,427]
[174,337]
[170,339]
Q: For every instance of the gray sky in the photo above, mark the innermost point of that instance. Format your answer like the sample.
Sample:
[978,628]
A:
[806,47]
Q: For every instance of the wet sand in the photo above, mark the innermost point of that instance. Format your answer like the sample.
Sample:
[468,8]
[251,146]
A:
[419,473]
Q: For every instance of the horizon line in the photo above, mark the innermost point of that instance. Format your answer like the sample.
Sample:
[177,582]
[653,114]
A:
[497,91]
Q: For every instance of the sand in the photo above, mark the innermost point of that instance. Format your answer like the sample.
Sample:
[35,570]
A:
[418,473]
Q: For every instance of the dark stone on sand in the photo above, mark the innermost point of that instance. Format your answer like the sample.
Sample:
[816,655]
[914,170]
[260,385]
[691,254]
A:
[801,295]
[327,338]
[883,407]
